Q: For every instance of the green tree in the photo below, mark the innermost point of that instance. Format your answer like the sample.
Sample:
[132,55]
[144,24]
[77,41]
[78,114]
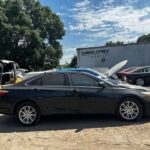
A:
[144,39]
[30,34]
[110,43]
[73,62]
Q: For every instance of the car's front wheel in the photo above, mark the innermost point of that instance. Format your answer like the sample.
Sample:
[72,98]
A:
[130,109]
[28,114]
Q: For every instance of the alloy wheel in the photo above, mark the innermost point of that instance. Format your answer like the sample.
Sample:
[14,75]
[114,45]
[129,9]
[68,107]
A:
[140,82]
[27,115]
[129,110]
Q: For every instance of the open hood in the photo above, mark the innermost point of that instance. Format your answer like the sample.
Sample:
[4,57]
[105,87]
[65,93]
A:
[116,68]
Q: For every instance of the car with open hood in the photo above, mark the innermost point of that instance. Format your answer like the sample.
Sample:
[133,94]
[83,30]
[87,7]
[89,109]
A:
[138,76]
[72,92]
[122,74]
[110,73]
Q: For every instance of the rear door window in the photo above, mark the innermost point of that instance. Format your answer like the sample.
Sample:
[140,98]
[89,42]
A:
[35,82]
[54,79]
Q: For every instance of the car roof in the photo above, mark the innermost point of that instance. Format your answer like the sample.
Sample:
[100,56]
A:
[128,69]
[138,68]
[145,66]
[73,69]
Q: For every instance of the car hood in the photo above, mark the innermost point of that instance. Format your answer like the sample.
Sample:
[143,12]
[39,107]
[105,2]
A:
[116,68]
[135,87]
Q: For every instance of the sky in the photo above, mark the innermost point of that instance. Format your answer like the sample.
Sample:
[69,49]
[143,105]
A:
[91,23]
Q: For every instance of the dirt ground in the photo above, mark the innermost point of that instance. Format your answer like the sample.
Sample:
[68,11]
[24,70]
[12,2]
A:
[90,132]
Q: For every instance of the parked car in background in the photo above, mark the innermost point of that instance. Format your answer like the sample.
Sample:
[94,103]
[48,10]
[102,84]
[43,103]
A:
[138,76]
[121,75]
[108,75]
[72,92]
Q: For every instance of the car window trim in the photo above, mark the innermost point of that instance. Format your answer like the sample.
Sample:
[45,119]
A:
[90,76]
[56,85]
[27,83]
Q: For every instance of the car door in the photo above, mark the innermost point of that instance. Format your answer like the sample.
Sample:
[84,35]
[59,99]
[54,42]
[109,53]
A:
[90,97]
[143,73]
[146,75]
[51,93]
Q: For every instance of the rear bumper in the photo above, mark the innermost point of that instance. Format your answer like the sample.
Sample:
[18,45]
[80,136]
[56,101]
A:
[6,111]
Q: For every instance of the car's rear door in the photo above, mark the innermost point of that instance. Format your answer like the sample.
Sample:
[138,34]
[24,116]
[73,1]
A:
[51,92]
[90,97]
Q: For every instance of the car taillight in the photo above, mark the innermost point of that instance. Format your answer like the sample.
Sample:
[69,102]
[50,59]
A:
[2,93]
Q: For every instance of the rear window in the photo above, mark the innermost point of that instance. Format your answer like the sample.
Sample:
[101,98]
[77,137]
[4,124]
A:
[36,82]
[54,79]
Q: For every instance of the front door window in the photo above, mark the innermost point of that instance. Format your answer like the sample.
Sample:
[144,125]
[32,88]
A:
[82,80]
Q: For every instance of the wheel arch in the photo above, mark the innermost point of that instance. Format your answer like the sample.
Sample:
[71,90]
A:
[24,101]
[131,96]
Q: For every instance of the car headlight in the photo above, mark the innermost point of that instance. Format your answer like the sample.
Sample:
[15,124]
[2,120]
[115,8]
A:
[146,93]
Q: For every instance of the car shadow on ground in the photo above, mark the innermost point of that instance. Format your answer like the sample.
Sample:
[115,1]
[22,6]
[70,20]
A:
[8,124]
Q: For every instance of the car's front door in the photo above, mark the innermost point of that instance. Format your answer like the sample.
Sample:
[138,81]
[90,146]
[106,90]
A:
[90,97]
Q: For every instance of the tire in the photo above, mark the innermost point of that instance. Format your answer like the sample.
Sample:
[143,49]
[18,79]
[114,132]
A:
[140,82]
[132,113]
[28,114]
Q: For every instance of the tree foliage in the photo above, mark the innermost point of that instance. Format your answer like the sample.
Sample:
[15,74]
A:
[30,34]
[144,39]
[73,62]
[110,43]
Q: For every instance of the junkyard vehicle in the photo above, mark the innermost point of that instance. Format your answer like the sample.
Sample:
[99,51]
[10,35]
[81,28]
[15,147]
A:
[110,73]
[122,73]
[138,76]
[71,92]
[8,73]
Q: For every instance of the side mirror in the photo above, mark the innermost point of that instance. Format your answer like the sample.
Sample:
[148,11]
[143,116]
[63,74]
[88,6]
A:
[102,84]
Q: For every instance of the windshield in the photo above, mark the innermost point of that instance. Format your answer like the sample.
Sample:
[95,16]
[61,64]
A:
[128,69]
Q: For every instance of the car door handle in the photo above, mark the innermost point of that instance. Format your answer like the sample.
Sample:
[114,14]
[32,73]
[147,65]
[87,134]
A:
[35,89]
[75,91]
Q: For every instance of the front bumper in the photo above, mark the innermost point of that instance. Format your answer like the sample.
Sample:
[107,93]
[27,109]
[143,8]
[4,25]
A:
[147,105]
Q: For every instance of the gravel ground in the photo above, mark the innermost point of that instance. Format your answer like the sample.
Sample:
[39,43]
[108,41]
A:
[74,133]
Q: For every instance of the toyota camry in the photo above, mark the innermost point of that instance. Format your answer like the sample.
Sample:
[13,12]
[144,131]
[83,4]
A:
[70,92]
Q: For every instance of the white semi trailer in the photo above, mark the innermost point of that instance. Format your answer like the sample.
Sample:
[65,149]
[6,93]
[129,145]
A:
[108,56]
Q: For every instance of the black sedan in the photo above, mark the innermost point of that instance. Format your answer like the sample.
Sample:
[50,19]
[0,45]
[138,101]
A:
[139,76]
[72,93]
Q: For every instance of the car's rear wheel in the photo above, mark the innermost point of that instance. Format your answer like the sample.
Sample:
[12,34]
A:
[130,109]
[28,114]
[140,82]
